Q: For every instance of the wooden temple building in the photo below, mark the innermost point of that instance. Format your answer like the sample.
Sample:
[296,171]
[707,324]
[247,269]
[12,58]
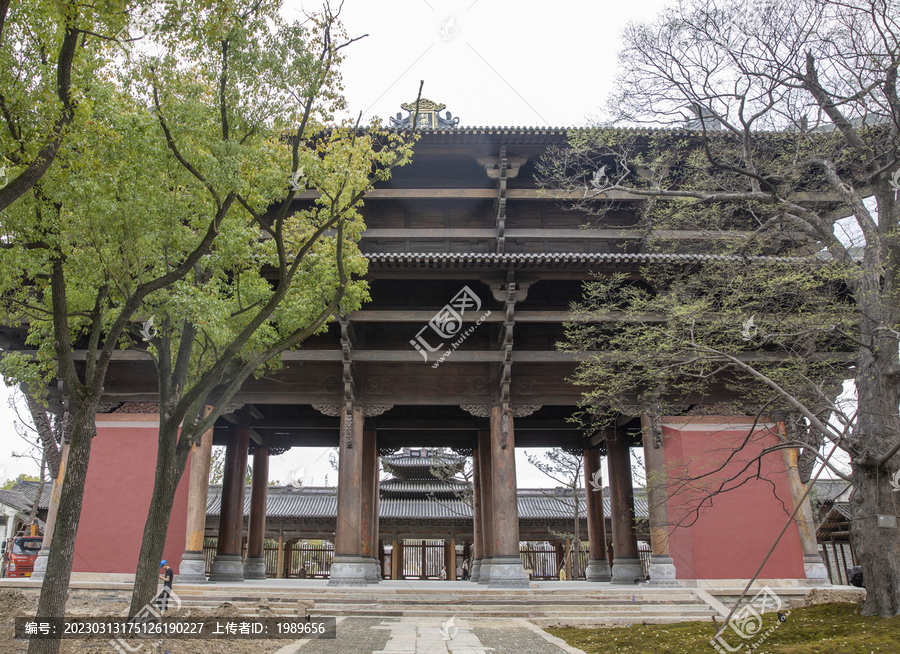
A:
[425,523]
[472,269]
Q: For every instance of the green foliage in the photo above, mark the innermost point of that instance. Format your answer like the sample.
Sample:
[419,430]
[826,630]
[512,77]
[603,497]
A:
[10,483]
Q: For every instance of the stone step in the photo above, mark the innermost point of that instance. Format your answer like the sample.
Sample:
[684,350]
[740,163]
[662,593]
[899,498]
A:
[442,601]
[587,616]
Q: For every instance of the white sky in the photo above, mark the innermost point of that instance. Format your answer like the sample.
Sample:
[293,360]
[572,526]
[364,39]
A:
[492,62]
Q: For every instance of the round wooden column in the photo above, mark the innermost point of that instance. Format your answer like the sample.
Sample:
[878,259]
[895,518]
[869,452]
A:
[369,505]
[662,567]
[227,564]
[255,563]
[475,561]
[485,467]
[193,565]
[507,570]
[349,567]
[813,565]
[598,566]
[395,558]
[40,564]
[626,561]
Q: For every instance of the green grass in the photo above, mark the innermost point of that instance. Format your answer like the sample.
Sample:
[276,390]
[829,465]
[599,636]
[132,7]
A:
[821,629]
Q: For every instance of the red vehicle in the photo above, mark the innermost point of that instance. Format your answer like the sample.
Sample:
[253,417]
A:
[20,554]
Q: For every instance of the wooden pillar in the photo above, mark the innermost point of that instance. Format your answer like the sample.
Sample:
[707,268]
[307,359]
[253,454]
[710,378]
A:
[349,567]
[598,567]
[369,513]
[451,568]
[486,504]
[289,556]
[227,564]
[279,565]
[193,564]
[506,561]
[626,562]
[827,562]
[40,564]
[400,561]
[477,535]
[662,566]
[813,566]
[568,559]
[447,557]
[423,574]
[367,495]
[395,558]
[255,564]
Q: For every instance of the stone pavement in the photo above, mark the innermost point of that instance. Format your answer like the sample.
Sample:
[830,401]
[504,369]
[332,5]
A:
[434,636]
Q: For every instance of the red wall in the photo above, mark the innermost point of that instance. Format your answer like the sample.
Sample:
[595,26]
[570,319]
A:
[117,497]
[735,529]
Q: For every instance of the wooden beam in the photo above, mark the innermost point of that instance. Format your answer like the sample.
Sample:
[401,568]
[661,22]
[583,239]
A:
[424,315]
[611,232]
[525,194]
[471,356]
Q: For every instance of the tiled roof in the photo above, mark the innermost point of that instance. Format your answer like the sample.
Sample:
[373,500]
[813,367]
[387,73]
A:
[30,490]
[545,260]
[319,502]
[828,489]
[420,461]
[422,487]
[284,502]
[15,499]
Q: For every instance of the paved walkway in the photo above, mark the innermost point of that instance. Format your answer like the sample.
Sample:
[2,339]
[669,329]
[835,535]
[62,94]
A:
[433,636]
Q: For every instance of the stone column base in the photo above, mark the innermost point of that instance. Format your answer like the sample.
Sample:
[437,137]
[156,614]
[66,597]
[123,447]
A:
[349,571]
[373,571]
[506,572]
[662,571]
[597,570]
[625,571]
[484,572]
[812,564]
[255,567]
[227,567]
[40,564]
[192,568]
[475,572]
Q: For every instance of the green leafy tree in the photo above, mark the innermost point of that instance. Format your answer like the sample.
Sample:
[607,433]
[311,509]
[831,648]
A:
[244,113]
[49,55]
[10,483]
[158,207]
[792,150]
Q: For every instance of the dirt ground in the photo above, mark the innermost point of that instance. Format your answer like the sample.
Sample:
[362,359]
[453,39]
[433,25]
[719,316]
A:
[14,603]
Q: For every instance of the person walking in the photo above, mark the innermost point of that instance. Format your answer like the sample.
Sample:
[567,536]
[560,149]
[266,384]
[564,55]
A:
[465,569]
[167,575]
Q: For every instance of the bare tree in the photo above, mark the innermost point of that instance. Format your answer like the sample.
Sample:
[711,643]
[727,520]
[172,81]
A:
[788,127]
[564,467]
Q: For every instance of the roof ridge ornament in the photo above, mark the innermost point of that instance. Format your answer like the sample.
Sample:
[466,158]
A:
[429,116]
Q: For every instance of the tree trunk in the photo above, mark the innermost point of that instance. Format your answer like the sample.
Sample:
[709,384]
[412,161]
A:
[877,430]
[169,468]
[54,591]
